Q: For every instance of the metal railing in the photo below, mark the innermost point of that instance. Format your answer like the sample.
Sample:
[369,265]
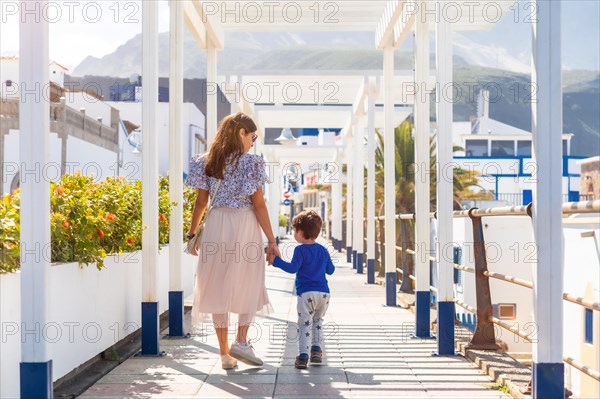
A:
[482,338]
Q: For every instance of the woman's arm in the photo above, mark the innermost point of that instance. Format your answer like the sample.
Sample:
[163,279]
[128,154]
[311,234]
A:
[262,215]
[199,208]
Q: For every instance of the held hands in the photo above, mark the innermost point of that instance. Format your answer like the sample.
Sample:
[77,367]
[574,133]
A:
[272,252]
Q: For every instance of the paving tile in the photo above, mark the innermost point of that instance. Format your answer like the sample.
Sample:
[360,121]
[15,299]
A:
[234,390]
[388,391]
[142,389]
[332,390]
[368,353]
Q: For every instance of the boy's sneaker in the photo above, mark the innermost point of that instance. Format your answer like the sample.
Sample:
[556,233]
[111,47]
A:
[316,356]
[245,353]
[301,361]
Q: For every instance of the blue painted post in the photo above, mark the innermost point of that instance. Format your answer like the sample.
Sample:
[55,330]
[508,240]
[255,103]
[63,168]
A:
[370,271]
[354,260]
[150,328]
[36,380]
[359,262]
[348,254]
[176,314]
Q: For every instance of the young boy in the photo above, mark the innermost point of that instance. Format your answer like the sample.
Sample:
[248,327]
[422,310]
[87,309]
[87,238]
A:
[310,263]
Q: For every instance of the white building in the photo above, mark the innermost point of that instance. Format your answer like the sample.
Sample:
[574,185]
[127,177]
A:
[501,153]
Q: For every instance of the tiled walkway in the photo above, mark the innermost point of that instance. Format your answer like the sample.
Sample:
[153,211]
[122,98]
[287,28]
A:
[368,353]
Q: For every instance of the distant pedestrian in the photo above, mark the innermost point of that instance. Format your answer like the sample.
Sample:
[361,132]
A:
[230,276]
[311,263]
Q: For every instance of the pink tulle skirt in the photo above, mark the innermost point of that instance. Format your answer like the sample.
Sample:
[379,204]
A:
[230,277]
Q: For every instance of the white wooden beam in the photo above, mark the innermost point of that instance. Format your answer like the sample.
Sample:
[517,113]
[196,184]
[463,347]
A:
[385,28]
[194,23]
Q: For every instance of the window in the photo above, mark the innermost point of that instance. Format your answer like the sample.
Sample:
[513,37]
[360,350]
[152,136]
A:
[503,148]
[524,148]
[589,326]
[476,148]
[505,311]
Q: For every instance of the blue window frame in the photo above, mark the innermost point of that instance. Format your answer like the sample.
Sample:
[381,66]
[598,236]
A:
[589,326]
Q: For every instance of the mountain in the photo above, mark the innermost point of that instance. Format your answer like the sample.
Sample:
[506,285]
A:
[475,63]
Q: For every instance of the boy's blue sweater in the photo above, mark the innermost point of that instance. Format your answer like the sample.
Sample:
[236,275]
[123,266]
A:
[310,263]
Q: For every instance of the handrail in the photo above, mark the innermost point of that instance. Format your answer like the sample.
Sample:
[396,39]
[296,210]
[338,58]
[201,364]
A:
[520,210]
[475,214]
[582,367]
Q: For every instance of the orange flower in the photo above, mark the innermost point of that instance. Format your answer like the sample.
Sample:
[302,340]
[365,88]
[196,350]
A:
[100,233]
[59,191]
[110,216]
[66,224]
[130,241]
[162,217]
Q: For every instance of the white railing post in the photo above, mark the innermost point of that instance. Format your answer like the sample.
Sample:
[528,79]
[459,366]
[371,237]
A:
[445,186]
[370,257]
[336,206]
[548,368]
[359,192]
[150,322]
[422,127]
[389,175]
[35,369]
[175,168]
[349,216]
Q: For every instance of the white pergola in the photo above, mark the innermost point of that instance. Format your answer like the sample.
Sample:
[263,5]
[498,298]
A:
[356,103]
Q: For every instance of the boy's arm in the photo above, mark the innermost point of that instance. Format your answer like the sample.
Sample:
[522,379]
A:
[290,267]
[329,267]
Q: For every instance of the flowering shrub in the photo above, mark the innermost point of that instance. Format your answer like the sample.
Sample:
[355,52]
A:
[89,220]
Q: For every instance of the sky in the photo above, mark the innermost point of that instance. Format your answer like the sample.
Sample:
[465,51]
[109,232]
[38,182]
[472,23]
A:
[98,27]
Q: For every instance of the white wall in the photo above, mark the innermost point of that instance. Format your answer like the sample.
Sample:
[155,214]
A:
[88,311]
[509,249]
[132,111]
[11,162]
[9,70]
[94,108]
[81,155]
[581,279]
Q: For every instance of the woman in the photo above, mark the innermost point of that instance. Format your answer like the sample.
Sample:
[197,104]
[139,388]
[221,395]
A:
[231,268]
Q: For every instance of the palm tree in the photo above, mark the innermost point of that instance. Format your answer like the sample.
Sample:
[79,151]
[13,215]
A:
[463,179]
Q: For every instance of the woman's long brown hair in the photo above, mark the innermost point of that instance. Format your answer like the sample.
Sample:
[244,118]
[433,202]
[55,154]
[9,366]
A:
[227,146]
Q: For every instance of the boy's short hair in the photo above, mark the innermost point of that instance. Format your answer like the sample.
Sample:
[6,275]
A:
[309,222]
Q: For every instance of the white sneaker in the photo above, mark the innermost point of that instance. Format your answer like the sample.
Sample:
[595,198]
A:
[245,353]
[228,362]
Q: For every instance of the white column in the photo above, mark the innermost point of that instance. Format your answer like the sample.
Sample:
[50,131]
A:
[211,93]
[371,184]
[175,144]
[349,208]
[150,151]
[389,175]
[422,126]
[445,252]
[359,192]
[548,380]
[175,168]
[34,127]
[275,193]
[336,205]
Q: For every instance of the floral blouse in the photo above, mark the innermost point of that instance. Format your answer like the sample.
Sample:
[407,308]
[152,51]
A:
[237,185]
